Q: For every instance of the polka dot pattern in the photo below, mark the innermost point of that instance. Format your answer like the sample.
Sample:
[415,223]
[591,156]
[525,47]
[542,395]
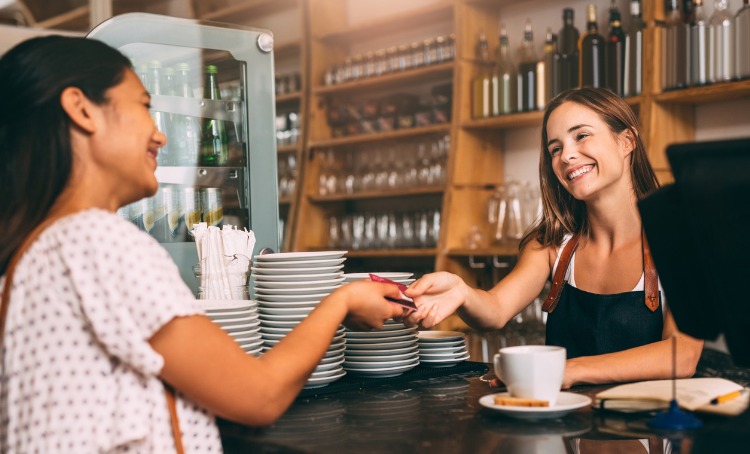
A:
[77,371]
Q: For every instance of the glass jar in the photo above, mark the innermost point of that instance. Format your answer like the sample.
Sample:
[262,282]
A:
[391,55]
[381,63]
[450,47]
[440,50]
[369,64]
[404,58]
[417,54]
[430,51]
[357,71]
[329,77]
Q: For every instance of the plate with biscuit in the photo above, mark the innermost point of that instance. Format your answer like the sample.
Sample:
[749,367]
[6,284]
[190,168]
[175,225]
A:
[534,409]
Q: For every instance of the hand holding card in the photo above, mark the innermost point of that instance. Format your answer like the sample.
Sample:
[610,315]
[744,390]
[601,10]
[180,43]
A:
[404,300]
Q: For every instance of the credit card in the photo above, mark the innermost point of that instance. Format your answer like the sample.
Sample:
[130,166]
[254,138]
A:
[403,300]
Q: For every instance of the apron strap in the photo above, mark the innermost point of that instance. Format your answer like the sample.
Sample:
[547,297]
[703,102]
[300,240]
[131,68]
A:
[651,278]
[558,280]
[650,285]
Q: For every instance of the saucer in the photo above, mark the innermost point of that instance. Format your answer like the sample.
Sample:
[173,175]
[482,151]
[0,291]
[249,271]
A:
[566,403]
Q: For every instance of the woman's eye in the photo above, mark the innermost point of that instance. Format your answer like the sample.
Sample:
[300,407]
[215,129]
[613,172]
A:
[554,150]
[581,136]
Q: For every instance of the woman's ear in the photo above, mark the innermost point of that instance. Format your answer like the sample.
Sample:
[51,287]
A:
[627,141]
[78,107]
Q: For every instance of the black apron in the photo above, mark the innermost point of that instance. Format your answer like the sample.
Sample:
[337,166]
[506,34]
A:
[589,324]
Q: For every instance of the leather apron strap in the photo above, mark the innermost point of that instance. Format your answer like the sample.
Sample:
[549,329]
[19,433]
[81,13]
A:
[5,302]
[651,278]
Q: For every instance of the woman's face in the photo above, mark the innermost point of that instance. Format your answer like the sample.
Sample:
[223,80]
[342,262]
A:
[587,158]
[127,141]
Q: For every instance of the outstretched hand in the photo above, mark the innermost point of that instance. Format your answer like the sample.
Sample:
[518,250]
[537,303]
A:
[366,305]
[437,296]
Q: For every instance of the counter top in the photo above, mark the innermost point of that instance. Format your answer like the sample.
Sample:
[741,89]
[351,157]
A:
[443,415]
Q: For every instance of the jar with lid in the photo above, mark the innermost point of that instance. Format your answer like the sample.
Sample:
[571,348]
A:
[391,56]
[404,58]
[381,63]
[417,54]
[440,50]
[430,51]
[358,67]
[450,47]
[329,77]
[344,72]
[368,64]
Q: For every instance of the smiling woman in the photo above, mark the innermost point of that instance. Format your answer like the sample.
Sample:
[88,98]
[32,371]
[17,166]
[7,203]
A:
[606,306]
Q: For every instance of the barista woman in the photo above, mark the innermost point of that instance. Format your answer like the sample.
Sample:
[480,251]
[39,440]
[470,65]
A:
[98,321]
[605,306]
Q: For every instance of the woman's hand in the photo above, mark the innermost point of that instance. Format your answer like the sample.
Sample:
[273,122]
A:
[437,296]
[366,305]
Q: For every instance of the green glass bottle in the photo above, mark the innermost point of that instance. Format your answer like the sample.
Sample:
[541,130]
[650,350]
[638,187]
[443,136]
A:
[214,139]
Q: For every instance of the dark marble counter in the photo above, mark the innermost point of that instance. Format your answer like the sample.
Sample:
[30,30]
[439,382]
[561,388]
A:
[443,415]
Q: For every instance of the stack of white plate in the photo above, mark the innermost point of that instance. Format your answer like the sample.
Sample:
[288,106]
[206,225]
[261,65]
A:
[385,352]
[442,348]
[288,286]
[239,318]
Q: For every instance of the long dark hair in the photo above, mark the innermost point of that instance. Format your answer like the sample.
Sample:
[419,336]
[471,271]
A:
[561,213]
[35,151]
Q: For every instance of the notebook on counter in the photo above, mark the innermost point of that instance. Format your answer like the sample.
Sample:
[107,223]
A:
[697,231]
[710,395]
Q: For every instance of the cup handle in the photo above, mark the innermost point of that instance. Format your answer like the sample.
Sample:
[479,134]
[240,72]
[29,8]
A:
[498,366]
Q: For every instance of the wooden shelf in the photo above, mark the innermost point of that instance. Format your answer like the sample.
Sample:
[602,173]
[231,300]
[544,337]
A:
[510,121]
[421,75]
[433,190]
[431,252]
[249,8]
[441,11]
[508,251]
[397,134]
[725,91]
[289,97]
[76,18]
[287,49]
[287,148]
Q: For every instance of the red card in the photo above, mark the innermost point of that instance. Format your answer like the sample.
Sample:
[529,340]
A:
[404,300]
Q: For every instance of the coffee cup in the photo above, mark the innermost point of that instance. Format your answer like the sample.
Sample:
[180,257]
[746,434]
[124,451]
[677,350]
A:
[531,371]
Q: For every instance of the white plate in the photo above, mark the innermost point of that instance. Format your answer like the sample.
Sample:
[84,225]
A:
[267,278]
[234,330]
[442,351]
[225,305]
[233,314]
[382,372]
[429,346]
[388,275]
[457,354]
[291,298]
[285,310]
[440,336]
[376,364]
[288,304]
[381,351]
[379,340]
[566,403]
[289,256]
[308,271]
[282,318]
[318,382]
[370,358]
[379,346]
[262,293]
[264,285]
[295,264]
[235,321]
[379,333]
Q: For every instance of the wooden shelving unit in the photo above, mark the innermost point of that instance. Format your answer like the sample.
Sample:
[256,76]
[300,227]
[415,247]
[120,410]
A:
[427,190]
[381,136]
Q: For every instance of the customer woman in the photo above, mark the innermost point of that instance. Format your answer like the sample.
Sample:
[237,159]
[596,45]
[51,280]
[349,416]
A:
[605,306]
[98,321]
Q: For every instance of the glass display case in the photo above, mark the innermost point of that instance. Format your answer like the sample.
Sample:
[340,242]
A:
[212,94]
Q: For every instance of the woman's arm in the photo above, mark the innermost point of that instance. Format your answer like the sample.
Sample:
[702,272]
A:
[438,295]
[647,362]
[205,364]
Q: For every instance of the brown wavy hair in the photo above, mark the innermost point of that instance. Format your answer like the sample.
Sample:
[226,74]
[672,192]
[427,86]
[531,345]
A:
[562,214]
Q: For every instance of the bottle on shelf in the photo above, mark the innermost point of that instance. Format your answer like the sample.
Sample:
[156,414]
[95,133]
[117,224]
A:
[186,129]
[504,79]
[162,120]
[721,43]
[547,71]
[214,139]
[614,56]
[482,83]
[633,72]
[591,49]
[675,54]
[527,76]
[742,37]
[567,47]
[699,50]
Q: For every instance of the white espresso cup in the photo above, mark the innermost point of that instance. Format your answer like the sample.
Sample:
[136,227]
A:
[532,371]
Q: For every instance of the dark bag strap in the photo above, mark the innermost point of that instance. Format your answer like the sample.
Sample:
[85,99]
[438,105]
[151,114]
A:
[650,285]
[171,404]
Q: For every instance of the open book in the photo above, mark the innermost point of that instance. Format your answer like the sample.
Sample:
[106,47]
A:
[713,395]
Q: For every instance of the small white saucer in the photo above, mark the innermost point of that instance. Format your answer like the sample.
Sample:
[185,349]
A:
[566,403]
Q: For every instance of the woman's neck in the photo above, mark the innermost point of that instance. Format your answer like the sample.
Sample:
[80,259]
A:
[614,220]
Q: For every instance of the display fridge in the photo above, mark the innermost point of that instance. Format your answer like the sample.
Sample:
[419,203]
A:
[212,94]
